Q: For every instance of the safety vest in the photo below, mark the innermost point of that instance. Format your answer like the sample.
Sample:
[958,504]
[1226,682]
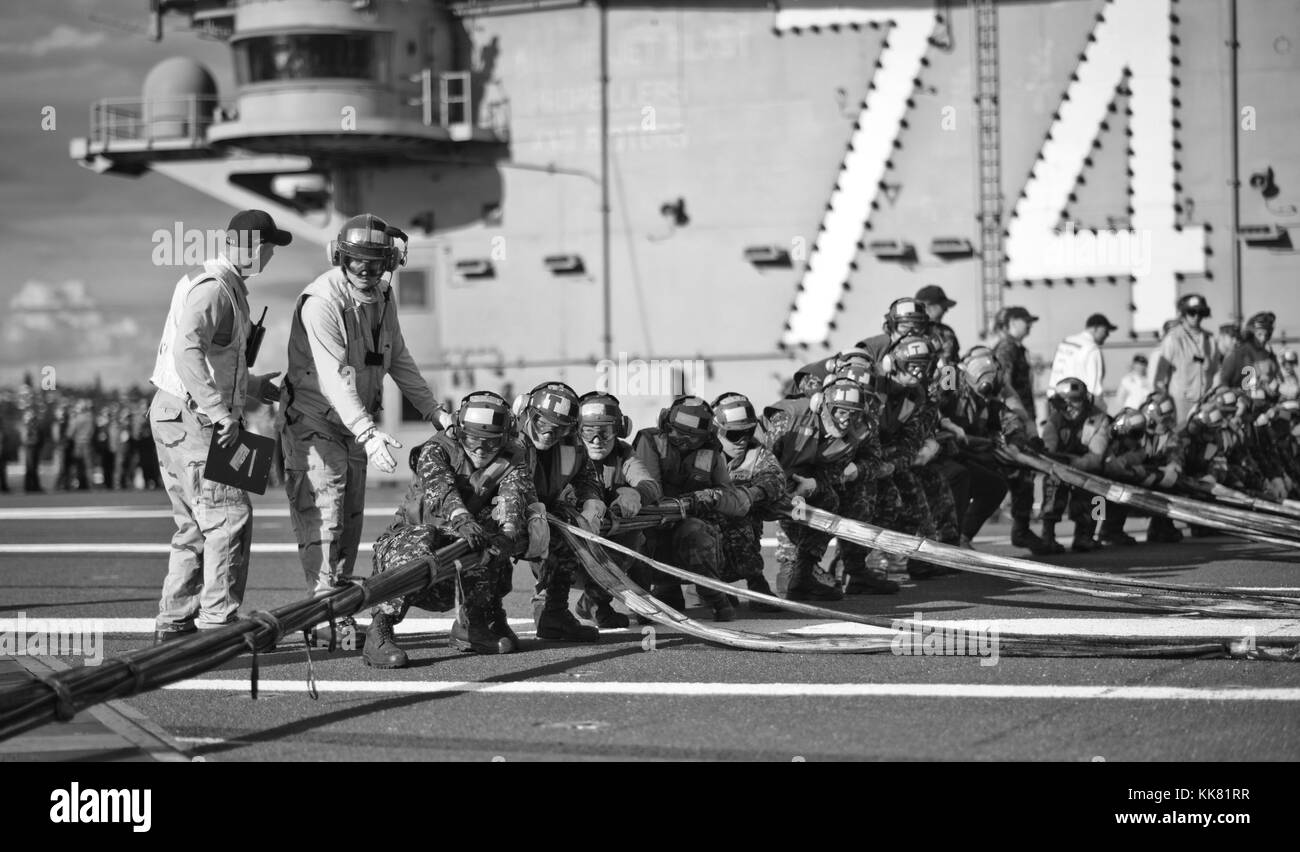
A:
[305,398]
[1077,438]
[226,363]
[691,472]
[555,468]
[475,487]
[610,468]
[805,446]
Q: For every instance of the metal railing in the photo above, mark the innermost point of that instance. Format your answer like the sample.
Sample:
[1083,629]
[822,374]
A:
[184,119]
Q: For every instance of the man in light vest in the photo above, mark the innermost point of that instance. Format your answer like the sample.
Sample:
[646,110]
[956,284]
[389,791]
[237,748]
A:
[202,378]
[1079,356]
[344,339]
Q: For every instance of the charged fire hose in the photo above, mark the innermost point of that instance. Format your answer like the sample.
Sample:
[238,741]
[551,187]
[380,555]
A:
[63,694]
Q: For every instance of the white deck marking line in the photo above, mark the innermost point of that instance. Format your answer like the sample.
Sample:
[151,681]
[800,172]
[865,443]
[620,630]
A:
[1153,626]
[117,513]
[759,690]
[136,626]
[138,548]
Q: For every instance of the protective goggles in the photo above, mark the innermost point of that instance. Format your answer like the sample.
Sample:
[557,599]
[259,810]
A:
[603,433]
[542,426]
[735,436]
[477,443]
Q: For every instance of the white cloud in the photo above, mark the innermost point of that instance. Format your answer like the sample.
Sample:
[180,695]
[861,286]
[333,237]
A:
[63,325]
[62,37]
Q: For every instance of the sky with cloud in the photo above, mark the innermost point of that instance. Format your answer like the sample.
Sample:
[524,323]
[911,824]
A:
[78,289]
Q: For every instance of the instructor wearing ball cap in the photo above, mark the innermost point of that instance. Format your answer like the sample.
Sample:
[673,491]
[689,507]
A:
[345,338]
[202,378]
[937,304]
[1079,356]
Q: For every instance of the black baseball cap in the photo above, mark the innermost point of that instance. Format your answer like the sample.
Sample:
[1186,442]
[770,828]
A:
[1020,313]
[932,294]
[259,222]
[1100,319]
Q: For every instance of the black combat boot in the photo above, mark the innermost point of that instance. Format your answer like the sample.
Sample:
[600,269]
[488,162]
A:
[382,650]
[718,602]
[556,624]
[472,632]
[869,576]
[499,624]
[1023,536]
[758,583]
[669,594]
[600,611]
[1050,546]
[1163,530]
[1084,542]
[804,585]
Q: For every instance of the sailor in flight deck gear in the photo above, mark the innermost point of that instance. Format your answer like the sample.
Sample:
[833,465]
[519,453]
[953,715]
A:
[626,486]
[680,454]
[344,339]
[988,413]
[908,423]
[1144,450]
[1079,430]
[816,441]
[1187,359]
[469,483]
[755,470]
[906,317]
[548,417]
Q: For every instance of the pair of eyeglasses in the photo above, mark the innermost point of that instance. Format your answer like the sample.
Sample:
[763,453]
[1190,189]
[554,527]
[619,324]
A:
[600,434]
[474,443]
[735,436]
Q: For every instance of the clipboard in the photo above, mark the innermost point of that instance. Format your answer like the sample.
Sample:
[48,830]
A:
[245,465]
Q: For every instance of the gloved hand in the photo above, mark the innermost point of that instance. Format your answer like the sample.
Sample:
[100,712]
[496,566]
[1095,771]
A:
[733,502]
[227,432]
[627,502]
[377,444]
[539,533]
[957,432]
[1035,444]
[884,469]
[851,472]
[440,419]
[804,486]
[469,530]
[593,512]
[927,453]
[1277,488]
[1169,475]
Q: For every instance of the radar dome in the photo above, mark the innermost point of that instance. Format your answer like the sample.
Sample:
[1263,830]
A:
[180,96]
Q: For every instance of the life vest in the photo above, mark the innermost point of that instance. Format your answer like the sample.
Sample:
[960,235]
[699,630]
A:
[806,446]
[475,487]
[555,468]
[681,474]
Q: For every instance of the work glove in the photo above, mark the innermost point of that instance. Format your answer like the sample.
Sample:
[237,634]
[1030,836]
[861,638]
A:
[539,533]
[593,512]
[377,444]
[851,472]
[1035,444]
[468,529]
[627,502]
[957,432]
[440,419]
[1169,475]
[733,502]
[804,486]
[1277,488]
[927,453]
[884,469]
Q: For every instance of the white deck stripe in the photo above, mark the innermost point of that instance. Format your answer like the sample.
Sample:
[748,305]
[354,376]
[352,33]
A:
[138,548]
[760,690]
[117,513]
[133,626]
[1154,626]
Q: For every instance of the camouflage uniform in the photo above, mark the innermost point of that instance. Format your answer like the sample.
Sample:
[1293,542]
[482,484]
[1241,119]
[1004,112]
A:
[622,469]
[907,418]
[742,551]
[554,472]
[445,482]
[694,543]
[1140,465]
[794,435]
[1085,441]
[999,420]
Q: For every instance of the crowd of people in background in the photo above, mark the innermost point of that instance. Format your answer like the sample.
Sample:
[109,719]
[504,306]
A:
[78,438]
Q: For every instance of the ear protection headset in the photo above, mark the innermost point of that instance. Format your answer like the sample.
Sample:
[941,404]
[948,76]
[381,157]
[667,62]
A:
[597,407]
[360,237]
[490,400]
[911,348]
[670,417]
[840,392]
[733,410]
[524,400]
